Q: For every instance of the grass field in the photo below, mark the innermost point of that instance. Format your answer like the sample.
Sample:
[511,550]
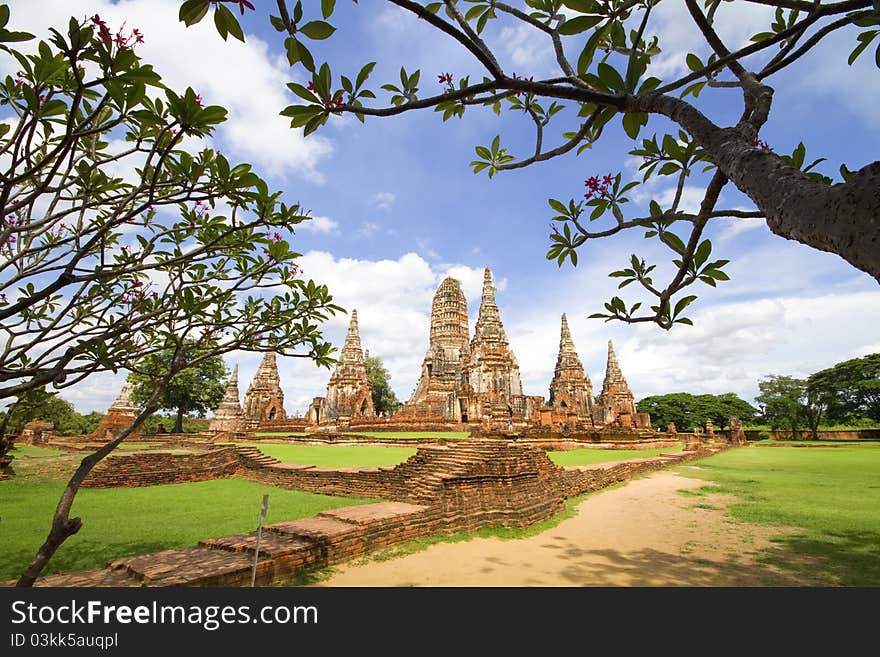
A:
[588,456]
[128,521]
[831,495]
[336,456]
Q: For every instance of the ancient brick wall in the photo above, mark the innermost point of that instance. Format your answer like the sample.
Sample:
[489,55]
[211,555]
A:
[854,434]
[474,484]
[151,468]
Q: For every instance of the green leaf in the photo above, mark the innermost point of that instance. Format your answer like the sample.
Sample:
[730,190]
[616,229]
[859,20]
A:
[693,62]
[583,6]
[683,303]
[327,7]
[610,77]
[302,92]
[364,74]
[192,11]
[317,30]
[558,206]
[702,253]
[675,241]
[864,39]
[586,57]
[232,23]
[579,24]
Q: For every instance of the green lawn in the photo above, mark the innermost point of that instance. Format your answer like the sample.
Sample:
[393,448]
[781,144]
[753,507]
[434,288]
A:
[32,450]
[336,456]
[128,521]
[832,495]
[588,456]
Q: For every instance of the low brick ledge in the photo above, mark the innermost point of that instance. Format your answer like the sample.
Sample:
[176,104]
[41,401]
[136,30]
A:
[290,548]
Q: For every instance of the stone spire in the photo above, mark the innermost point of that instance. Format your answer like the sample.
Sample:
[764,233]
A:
[435,394]
[264,399]
[229,416]
[120,416]
[494,384]
[123,402]
[449,317]
[616,400]
[613,373]
[488,328]
[570,389]
[349,393]
[352,352]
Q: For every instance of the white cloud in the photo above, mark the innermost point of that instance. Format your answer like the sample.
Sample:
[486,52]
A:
[732,227]
[242,77]
[529,51]
[426,248]
[369,228]
[319,224]
[384,200]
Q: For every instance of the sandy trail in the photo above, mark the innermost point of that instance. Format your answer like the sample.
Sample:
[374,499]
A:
[641,534]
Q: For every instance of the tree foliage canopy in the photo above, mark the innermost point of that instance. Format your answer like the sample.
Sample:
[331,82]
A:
[196,389]
[689,411]
[37,404]
[102,268]
[384,398]
[122,237]
[851,388]
[606,80]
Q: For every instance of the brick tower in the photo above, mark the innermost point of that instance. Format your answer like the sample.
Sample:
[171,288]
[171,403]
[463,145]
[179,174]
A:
[229,416]
[264,399]
[570,390]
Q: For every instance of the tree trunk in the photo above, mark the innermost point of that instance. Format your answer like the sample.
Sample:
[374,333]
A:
[843,218]
[178,423]
[63,526]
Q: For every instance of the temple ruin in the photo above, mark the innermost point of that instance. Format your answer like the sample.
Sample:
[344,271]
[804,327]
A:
[229,415]
[437,396]
[571,391]
[121,414]
[465,382]
[349,394]
[616,404]
[264,399]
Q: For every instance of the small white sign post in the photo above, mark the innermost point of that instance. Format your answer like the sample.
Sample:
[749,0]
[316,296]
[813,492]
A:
[259,535]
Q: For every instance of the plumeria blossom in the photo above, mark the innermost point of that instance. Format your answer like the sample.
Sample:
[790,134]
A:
[595,187]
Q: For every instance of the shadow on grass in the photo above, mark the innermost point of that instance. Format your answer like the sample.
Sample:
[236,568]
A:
[846,558]
[82,555]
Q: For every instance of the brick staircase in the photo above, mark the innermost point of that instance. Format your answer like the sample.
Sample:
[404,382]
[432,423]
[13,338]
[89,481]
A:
[253,457]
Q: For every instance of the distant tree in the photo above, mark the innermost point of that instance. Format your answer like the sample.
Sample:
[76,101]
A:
[197,389]
[688,410]
[38,404]
[852,389]
[384,399]
[783,399]
[91,421]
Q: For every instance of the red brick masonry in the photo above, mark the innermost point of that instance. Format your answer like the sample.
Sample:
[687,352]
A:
[458,487]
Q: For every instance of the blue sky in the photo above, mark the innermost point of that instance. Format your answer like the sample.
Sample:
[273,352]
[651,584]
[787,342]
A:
[397,207]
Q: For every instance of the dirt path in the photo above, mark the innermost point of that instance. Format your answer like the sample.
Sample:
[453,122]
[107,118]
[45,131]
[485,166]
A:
[641,534]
